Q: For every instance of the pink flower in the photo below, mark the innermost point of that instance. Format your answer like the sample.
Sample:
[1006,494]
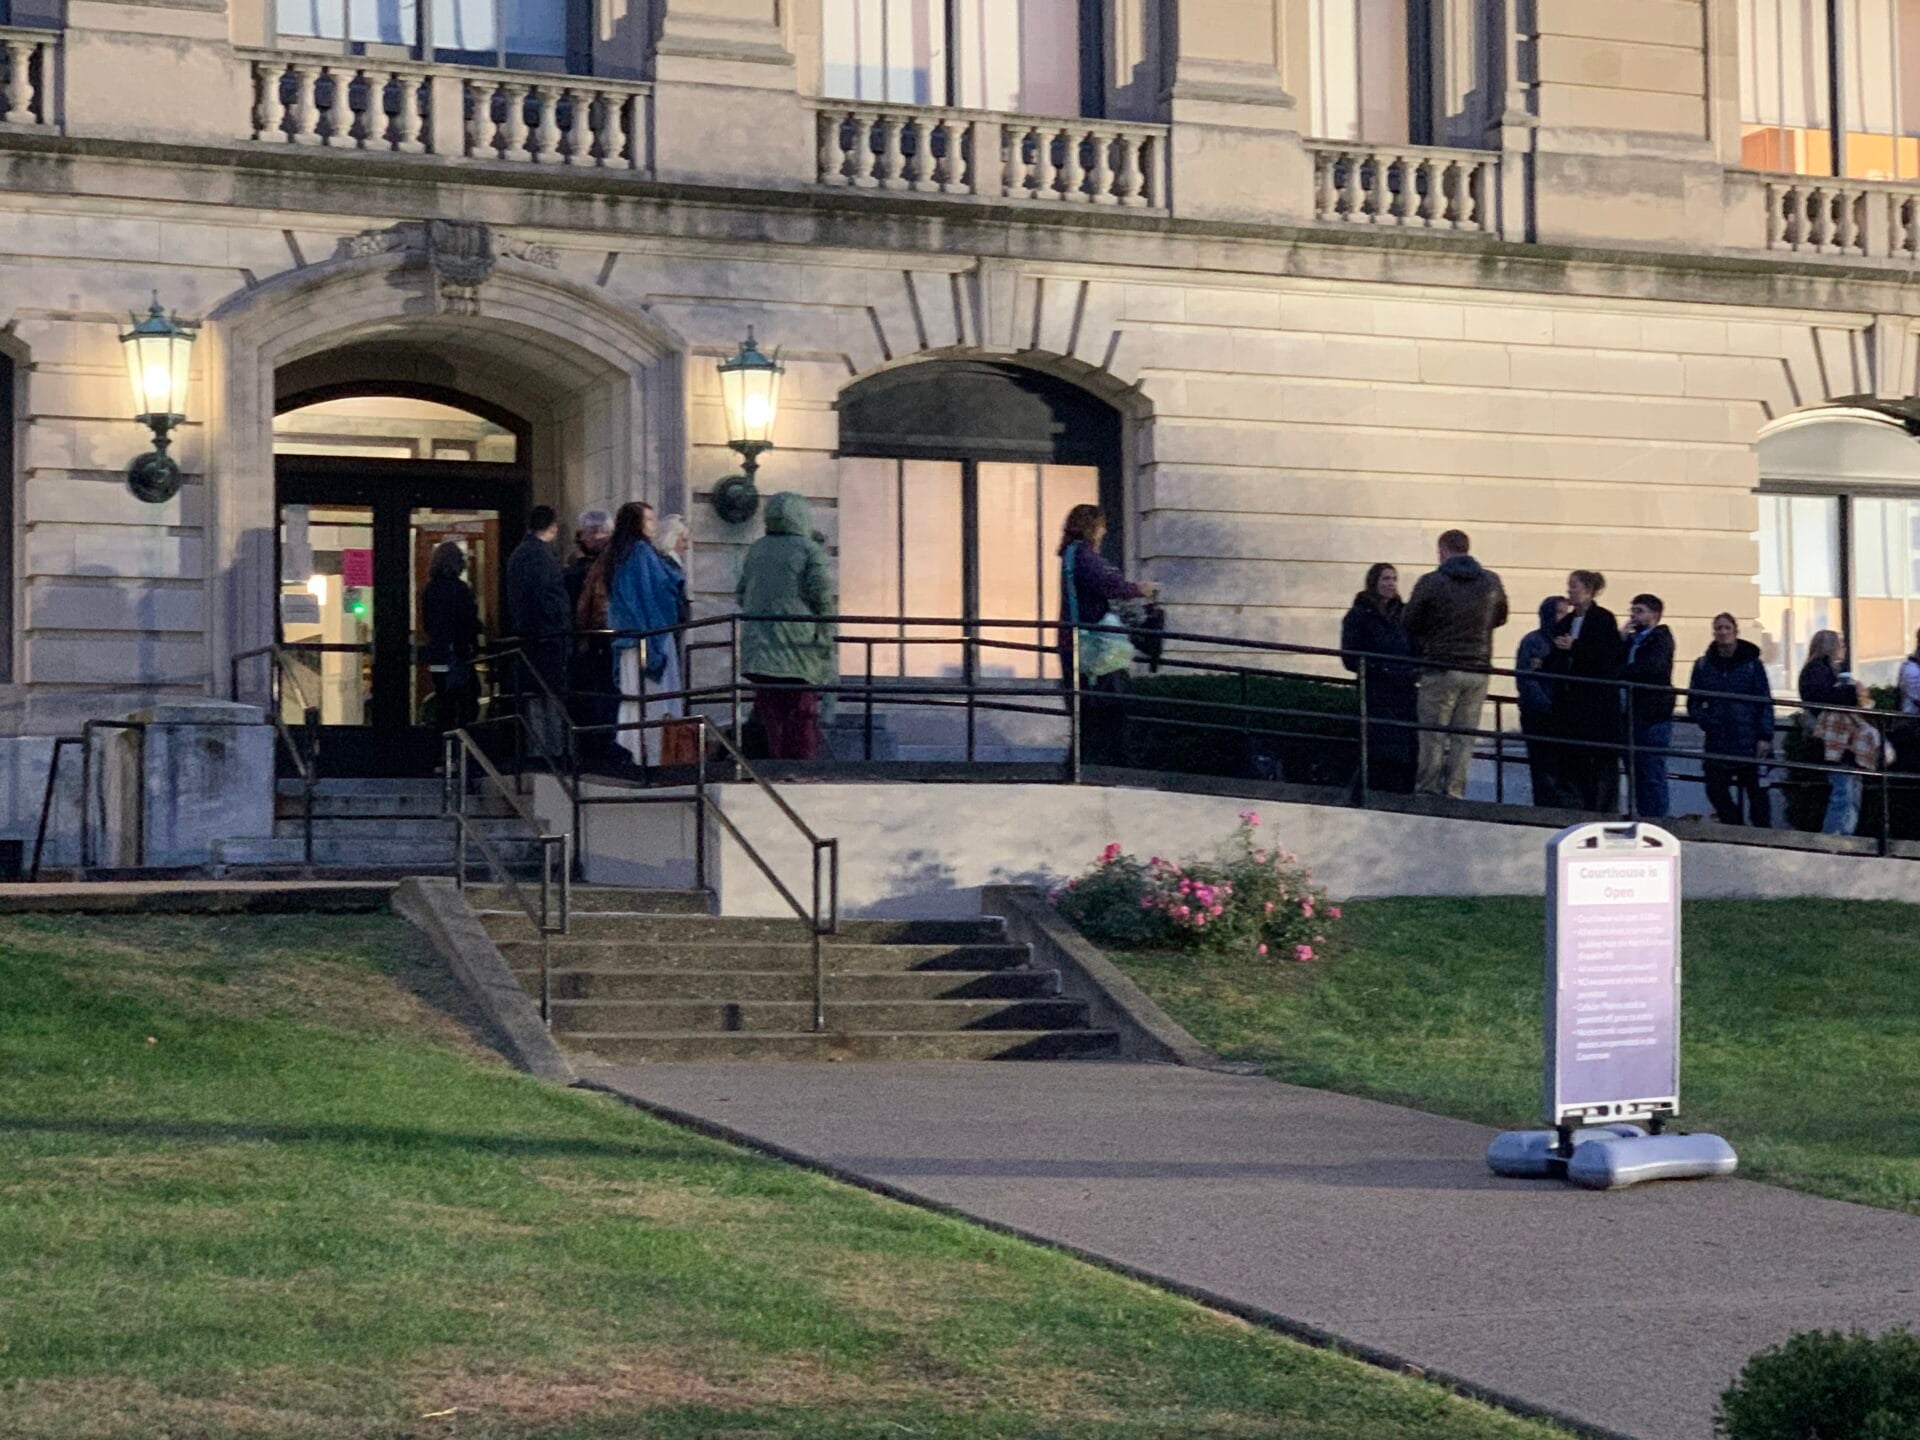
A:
[1186,887]
[1269,907]
[1263,949]
[1334,911]
[1250,818]
[1201,921]
[1319,939]
[1218,909]
[1303,952]
[1306,908]
[1110,854]
[1181,912]
[1259,857]
[1146,902]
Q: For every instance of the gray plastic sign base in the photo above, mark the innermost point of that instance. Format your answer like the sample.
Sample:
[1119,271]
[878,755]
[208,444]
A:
[1529,1154]
[1615,1163]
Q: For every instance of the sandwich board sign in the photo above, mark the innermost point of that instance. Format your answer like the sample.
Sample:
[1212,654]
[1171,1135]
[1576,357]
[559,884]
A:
[1613,975]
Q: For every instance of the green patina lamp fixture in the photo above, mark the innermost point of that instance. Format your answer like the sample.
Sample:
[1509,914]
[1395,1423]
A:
[750,389]
[159,351]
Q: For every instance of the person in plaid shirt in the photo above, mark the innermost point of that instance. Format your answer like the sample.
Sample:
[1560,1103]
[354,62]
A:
[1848,739]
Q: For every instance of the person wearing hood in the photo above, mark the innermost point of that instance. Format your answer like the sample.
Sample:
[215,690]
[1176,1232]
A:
[1733,726]
[643,606]
[1451,619]
[1372,632]
[787,648]
[1545,760]
[1647,665]
[1587,648]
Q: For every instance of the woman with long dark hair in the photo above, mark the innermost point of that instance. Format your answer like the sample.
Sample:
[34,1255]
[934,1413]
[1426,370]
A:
[1089,588]
[452,621]
[1587,647]
[644,595]
[1371,635]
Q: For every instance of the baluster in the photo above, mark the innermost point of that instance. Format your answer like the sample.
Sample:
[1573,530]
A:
[1131,178]
[892,162]
[1400,199]
[1350,198]
[579,127]
[1773,216]
[1073,168]
[408,122]
[1906,231]
[546,134]
[1016,162]
[478,100]
[916,149]
[1323,199]
[1046,170]
[1103,171]
[962,136]
[943,149]
[1843,218]
[336,111]
[270,116]
[1795,218]
[1485,178]
[513,133]
[610,141]
[833,159]
[306,105]
[20,96]
[369,129]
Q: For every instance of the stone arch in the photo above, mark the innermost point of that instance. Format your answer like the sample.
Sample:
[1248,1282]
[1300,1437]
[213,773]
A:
[605,387]
[14,368]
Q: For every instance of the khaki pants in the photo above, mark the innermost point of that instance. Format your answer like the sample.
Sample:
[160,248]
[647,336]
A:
[1448,698]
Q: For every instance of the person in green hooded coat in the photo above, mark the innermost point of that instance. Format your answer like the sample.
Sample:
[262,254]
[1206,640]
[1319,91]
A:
[787,648]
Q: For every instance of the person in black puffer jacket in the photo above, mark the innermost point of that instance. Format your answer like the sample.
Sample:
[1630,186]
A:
[1732,726]
[1372,629]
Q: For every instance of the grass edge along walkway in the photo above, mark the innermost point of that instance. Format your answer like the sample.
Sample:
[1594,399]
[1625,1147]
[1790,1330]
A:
[1800,1029]
[255,1187]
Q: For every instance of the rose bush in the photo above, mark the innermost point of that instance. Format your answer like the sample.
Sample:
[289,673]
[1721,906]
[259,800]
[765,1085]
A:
[1246,897]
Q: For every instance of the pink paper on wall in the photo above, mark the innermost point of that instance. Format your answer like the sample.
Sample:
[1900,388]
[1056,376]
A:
[356,567]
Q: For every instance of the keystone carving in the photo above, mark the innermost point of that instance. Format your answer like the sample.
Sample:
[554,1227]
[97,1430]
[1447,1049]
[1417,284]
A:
[460,254]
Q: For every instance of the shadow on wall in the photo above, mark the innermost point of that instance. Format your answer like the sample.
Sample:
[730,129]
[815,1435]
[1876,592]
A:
[923,886]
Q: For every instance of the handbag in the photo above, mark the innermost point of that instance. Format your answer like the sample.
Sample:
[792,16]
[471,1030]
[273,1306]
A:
[680,742]
[1103,651]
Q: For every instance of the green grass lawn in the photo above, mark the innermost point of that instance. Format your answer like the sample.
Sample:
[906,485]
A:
[258,1179]
[1800,1035]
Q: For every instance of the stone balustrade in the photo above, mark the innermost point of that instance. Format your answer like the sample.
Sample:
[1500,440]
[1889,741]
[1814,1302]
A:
[1416,186]
[905,149]
[26,72]
[1815,215]
[412,109]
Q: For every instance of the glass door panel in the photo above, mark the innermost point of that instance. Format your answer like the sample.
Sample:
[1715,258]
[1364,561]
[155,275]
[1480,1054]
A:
[933,582]
[1023,509]
[1799,579]
[870,561]
[327,598]
[477,534]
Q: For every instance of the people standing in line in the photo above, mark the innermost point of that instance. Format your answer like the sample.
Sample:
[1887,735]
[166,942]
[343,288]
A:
[1647,667]
[452,621]
[594,702]
[643,596]
[537,609]
[1373,629]
[1587,648]
[787,648]
[1545,760]
[1733,726]
[1821,680]
[1090,588]
[673,543]
[1451,619]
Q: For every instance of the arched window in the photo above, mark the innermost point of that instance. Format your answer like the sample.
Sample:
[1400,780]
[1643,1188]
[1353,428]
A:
[1840,540]
[1034,57]
[955,480]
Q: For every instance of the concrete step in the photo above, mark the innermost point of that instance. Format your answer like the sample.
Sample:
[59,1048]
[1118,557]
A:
[495,827]
[607,900]
[785,1017]
[794,984]
[382,806]
[913,1045]
[737,930]
[367,853]
[761,955]
[371,785]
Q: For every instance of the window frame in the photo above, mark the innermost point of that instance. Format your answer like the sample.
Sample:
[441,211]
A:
[1092,20]
[1833,16]
[577,59]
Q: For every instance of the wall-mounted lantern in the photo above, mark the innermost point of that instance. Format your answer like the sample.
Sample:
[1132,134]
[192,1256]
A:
[750,388]
[159,351]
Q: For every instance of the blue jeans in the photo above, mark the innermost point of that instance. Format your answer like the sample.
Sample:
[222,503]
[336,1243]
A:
[1650,769]
[1843,805]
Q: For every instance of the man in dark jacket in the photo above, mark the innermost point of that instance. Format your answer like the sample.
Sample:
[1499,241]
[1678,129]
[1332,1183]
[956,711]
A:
[1733,727]
[595,701]
[1587,648]
[1451,619]
[537,609]
[1648,663]
[1546,761]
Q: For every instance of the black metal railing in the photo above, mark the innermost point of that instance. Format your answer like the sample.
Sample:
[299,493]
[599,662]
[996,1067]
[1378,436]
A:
[303,751]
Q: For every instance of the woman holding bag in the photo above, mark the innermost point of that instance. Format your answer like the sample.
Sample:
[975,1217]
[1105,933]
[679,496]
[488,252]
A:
[1089,588]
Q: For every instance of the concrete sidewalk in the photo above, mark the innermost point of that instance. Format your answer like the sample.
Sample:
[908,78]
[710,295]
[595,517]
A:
[1625,1312]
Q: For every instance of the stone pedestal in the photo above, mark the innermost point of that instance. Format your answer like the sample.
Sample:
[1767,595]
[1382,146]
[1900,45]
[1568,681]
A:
[204,773]
[726,102]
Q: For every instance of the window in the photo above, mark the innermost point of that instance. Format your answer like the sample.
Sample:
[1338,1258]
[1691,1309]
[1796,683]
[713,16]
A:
[1360,84]
[1790,51]
[1033,57]
[1844,552]
[521,34]
[907,549]
[392,427]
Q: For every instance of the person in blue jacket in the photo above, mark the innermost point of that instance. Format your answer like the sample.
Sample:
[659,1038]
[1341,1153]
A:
[1731,700]
[644,594]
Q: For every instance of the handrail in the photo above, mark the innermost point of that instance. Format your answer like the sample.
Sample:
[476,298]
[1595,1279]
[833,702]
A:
[547,919]
[60,743]
[306,762]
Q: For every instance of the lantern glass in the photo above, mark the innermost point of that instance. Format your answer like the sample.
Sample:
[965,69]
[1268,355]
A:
[159,359]
[750,389]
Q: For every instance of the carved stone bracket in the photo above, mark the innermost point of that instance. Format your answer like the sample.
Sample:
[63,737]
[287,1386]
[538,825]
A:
[460,254]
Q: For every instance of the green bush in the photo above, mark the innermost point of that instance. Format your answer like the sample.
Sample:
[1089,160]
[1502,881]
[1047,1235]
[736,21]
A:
[1822,1385]
[1169,719]
[1245,899]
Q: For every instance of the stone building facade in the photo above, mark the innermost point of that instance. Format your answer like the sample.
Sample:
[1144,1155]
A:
[1344,273]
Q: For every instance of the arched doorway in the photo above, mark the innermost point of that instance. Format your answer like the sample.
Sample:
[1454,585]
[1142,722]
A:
[369,480]
[955,479]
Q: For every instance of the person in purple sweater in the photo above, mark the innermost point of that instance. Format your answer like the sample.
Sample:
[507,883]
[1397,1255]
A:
[1096,587]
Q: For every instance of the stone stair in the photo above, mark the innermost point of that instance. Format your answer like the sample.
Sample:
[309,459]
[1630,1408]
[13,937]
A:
[650,976]
[378,825]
